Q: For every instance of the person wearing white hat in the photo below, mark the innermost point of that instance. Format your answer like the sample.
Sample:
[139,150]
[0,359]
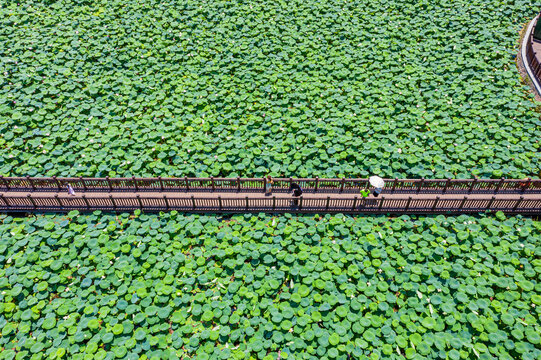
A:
[378,184]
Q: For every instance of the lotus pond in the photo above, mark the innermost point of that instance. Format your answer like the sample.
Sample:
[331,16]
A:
[298,88]
[171,286]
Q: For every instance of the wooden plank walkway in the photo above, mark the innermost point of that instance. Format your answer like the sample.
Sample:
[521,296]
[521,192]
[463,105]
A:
[528,203]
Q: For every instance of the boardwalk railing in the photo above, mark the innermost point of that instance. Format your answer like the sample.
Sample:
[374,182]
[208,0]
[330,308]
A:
[517,204]
[531,58]
[281,185]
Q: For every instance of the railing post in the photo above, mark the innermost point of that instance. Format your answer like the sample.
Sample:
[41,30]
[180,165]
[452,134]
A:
[462,203]
[354,203]
[112,201]
[212,183]
[166,202]
[300,202]
[5,182]
[472,185]
[327,205]
[31,183]
[526,186]
[290,182]
[86,202]
[246,202]
[447,182]
[394,185]
[265,184]
[490,202]
[273,202]
[317,183]
[381,203]
[58,200]
[193,202]
[135,183]
[32,201]
[519,201]
[186,183]
[4,200]
[408,203]
[238,184]
[57,183]
[83,182]
[109,183]
[342,185]
[420,185]
[220,202]
[161,183]
[435,203]
[140,202]
[500,184]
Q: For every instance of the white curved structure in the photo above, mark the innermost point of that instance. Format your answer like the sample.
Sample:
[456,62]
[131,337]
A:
[525,59]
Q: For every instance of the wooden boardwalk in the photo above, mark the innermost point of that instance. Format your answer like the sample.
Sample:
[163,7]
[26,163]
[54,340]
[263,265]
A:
[233,202]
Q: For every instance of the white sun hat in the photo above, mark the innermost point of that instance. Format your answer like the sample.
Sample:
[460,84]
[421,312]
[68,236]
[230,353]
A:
[376,181]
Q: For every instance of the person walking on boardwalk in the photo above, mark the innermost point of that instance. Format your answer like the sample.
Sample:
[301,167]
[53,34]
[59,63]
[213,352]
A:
[297,192]
[70,190]
[268,185]
[378,184]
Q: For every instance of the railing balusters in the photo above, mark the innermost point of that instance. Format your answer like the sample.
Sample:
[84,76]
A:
[472,185]
[498,187]
[408,203]
[112,201]
[519,201]
[83,182]
[435,203]
[166,202]
[29,179]
[6,183]
[462,203]
[57,183]
[86,202]
[491,202]
[420,185]
[4,200]
[135,183]
[447,183]
[32,201]
[58,200]
[109,183]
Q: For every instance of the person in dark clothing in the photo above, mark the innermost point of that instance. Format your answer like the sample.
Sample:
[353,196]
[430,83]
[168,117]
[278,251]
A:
[297,191]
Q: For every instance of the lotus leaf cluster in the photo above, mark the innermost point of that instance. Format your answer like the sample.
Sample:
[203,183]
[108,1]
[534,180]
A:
[172,286]
[292,88]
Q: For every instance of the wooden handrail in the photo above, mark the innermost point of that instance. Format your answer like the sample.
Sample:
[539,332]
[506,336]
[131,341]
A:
[255,202]
[393,186]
